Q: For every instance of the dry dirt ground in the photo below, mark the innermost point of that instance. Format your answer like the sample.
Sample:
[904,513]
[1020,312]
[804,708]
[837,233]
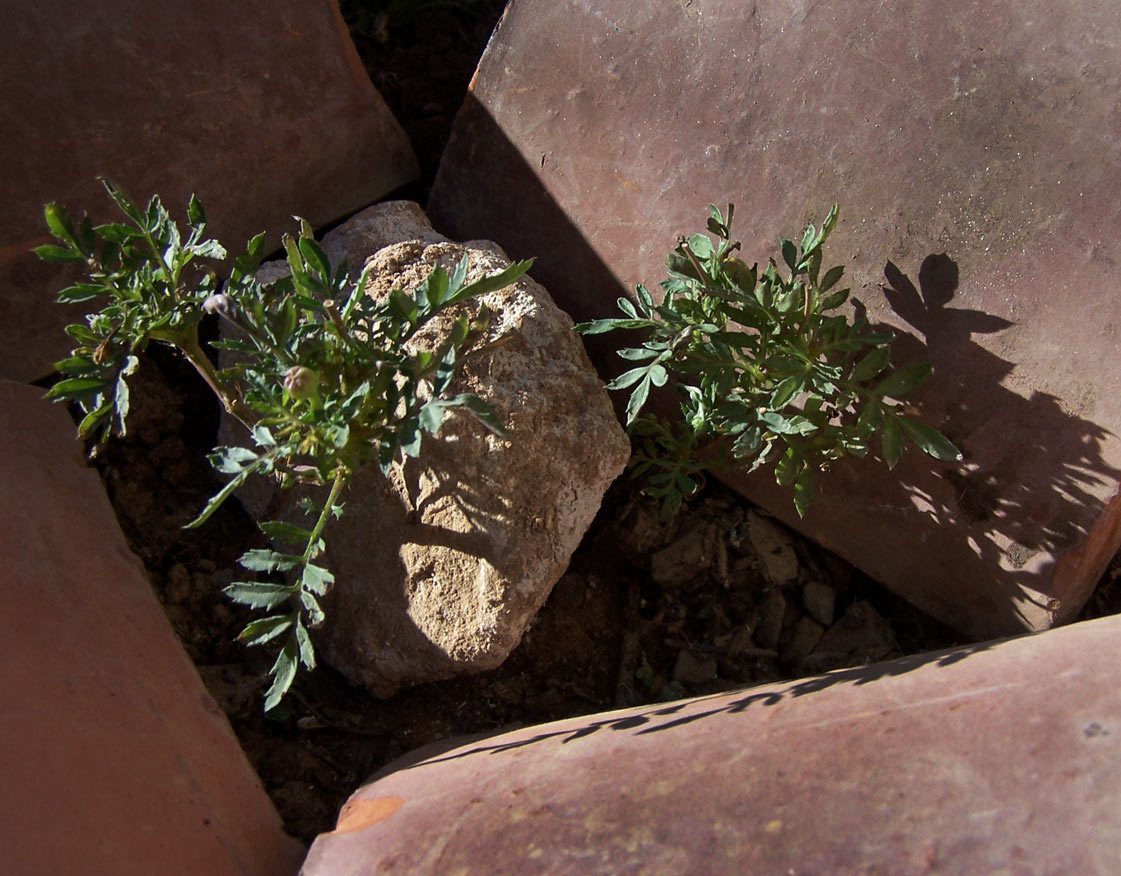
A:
[719,599]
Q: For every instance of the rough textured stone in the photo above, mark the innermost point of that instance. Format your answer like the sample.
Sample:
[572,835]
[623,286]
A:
[768,619]
[261,108]
[774,547]
[975,150]
[440,567]
[820,601]
[861,629]
[800,640]
[688,556]
[114,757]
[947,762]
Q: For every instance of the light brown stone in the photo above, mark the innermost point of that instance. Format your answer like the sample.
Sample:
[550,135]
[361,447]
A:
[773,546]
[262,109]
[684,559]
[769,618]
[114,757]
[440,567]
[974,150]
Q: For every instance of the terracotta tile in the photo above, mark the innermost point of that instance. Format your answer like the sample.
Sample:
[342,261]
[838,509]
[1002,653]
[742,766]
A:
[947,762]
[971,147]
[115,758]
[262,109]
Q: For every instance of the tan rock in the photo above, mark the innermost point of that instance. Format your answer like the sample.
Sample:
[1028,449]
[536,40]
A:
[440,567]
[768,619]
[800,640]
[819,600]
[688,556]
[773,545]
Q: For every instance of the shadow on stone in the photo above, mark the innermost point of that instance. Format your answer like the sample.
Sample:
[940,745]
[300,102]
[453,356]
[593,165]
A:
[1024,484]
[518,213]
[1024,502]
[677,714]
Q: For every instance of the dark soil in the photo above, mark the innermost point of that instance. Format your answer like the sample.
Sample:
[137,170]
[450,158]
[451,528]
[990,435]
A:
[608,635]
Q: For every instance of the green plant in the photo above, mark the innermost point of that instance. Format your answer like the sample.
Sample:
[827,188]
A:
[323,377]
[767,369]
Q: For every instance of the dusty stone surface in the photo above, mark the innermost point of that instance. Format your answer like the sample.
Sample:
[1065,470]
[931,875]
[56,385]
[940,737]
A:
[687,556]
[441,566]
[115,758]
[263,110]
[691,668]
[935,762]
[819,600]
[975,152]
[774,547]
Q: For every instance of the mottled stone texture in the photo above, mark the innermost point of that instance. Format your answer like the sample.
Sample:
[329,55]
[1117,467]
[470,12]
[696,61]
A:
[261,108]
[975,149]
[113,756]
[441,566]
[963,761]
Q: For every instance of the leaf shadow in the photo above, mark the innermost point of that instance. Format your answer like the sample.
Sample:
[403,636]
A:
[1028,489]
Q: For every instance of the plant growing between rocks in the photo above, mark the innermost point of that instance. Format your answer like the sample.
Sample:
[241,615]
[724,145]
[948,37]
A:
[324,378]
[766,368]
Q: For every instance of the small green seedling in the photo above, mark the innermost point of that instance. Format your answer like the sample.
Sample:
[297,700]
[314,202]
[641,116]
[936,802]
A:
[324,378]
[768,370]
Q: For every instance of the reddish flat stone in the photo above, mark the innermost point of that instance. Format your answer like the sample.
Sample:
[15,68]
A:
[113,756]
[966,761]
[975,151]
[262,109]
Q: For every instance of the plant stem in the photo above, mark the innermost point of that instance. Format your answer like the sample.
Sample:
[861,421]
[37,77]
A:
[342,475]
[337,321]
[197,357]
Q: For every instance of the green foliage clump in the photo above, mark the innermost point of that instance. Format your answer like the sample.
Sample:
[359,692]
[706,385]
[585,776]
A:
[323,377]
[767,368]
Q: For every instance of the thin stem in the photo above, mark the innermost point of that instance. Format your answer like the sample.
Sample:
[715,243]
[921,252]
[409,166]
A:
[172,276]
[688,250]
[342,475]
[190,348]
[337,321]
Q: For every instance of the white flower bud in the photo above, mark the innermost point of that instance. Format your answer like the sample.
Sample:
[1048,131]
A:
[220,303]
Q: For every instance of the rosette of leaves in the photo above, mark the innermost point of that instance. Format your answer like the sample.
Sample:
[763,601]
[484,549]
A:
[767,367]
[324,378]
